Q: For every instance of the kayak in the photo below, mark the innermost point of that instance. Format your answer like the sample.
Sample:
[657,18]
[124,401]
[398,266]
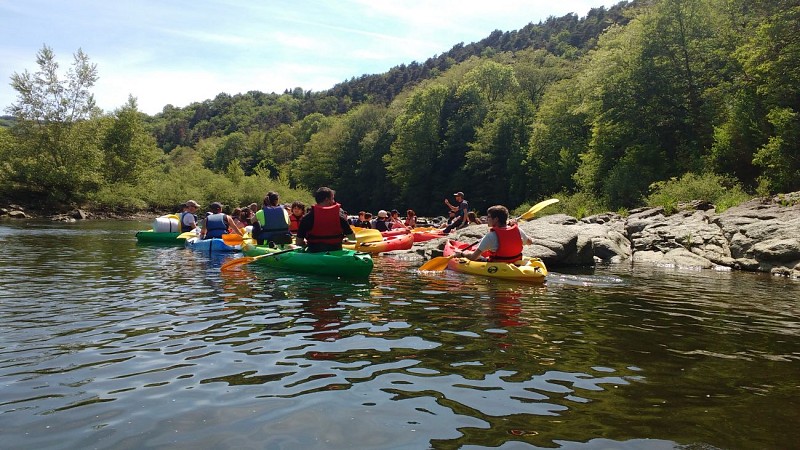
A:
[403,242]
[339,263]
[427,235]
[213,245]
[451,246]
[530,270]
[397,232]
[153,237]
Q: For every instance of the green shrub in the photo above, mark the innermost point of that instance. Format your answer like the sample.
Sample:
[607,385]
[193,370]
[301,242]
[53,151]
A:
[721,191]
[578,205]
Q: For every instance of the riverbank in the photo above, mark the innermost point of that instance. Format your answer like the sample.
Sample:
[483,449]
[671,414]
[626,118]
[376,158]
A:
[761,235]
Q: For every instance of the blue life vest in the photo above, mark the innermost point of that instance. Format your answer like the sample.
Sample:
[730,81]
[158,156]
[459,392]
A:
[216,226]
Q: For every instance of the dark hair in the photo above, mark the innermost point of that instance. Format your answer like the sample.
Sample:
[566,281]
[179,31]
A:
[216,206]
[410,212]
[498,212]
[271,199]
[299,204]
[323,194]
[367,215]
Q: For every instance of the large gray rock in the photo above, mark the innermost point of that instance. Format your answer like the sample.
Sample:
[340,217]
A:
[760,235]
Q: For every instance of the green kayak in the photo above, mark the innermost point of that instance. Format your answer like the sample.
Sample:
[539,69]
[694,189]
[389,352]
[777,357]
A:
[340,263]
[152,237]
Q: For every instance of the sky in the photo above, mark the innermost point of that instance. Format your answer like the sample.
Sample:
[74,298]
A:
[176,52]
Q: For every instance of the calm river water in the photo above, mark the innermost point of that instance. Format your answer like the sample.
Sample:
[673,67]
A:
[108,344]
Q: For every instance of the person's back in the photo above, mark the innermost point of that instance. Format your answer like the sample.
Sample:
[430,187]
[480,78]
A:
[216,223]
[272,222]
[324,227]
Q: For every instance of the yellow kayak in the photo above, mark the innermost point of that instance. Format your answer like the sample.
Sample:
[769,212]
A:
[530,270]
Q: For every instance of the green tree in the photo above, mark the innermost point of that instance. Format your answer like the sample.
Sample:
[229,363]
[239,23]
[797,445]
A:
[58,156]
[130,151]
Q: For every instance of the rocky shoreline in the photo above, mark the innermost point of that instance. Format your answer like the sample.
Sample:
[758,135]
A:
[761,235]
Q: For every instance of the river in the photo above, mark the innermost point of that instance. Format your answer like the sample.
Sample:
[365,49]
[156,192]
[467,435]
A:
[106,343]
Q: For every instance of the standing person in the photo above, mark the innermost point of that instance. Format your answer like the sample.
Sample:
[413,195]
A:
[271,222]
[188,217]
[504,241]
[460,211]
[324,227]
[298,209]
[218,223]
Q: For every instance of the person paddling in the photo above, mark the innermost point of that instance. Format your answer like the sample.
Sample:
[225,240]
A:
[271,222]
[503,241]
[324,227]
[218,223]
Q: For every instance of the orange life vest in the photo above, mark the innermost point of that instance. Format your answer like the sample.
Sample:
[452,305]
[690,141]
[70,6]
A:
[509,245]
[327,227]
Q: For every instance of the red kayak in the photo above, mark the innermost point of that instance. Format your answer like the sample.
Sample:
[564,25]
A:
[392,233]
[451,246]
[427,235]
[386,245]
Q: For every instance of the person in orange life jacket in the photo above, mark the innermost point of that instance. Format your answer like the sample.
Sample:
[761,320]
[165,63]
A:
[218,223]
[324,227]
[188,217]
[298,209]
[271,222]
[460,210]
[504,241]
[382,222]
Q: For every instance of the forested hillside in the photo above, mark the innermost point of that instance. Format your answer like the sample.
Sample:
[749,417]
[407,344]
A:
[599,110]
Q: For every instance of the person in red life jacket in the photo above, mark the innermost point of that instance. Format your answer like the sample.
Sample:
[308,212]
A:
[218,223]
[504,241]
[324,227]
[271,222]
[298,209]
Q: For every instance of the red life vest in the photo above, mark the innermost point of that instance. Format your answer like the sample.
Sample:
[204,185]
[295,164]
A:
[294,223]
[509,245]
[327,227]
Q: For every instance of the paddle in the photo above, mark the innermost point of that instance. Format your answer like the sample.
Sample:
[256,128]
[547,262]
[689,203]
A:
[367,235]
[440,262]
[230,265]
[233,239]
[187,235]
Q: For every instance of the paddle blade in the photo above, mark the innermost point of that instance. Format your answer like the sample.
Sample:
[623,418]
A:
[436,264]
[536,208]
[232,239]
[186,235]
[234,263]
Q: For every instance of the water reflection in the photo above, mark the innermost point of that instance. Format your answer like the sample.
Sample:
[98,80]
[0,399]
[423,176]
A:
[113,345]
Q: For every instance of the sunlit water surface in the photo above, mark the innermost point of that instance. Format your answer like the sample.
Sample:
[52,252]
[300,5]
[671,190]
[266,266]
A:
[110,344]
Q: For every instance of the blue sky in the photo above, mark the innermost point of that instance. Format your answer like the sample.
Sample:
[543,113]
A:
[180,51]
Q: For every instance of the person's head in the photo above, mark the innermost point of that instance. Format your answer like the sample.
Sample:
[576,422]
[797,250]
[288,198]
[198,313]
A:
[499,214]
[367,216]
[216,207]
[395,213]
[271,199]
[459,195]
[410,213]
[253,207]
[382,214]
[361,215]
[472,217]
[237,212]
[298,208]
[324,194]
[192,206]
[245,214]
